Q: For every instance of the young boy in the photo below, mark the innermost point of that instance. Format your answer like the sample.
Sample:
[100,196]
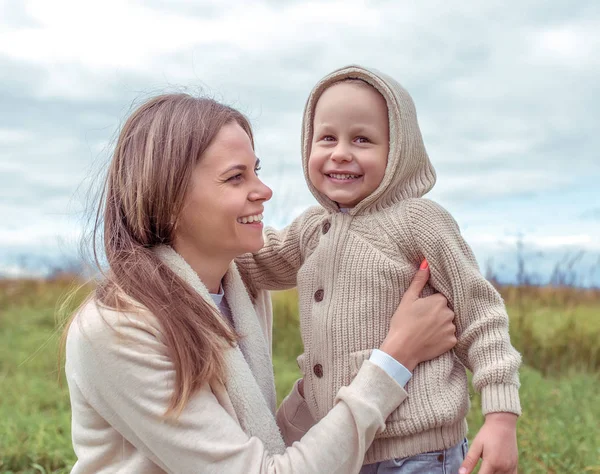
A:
[354,256]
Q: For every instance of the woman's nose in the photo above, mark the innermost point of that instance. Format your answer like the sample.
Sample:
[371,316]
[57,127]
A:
[262,192]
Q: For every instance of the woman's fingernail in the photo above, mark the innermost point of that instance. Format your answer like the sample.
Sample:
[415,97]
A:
[423,266]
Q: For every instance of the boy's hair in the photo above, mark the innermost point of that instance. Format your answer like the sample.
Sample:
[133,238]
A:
[356,80]
[352,80]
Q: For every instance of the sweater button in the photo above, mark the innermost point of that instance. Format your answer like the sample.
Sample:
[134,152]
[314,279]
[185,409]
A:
[319,295]
[440,457]
[318,370]
[326,227]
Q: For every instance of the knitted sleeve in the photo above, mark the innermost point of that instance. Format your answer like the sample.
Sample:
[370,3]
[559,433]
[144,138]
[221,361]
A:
[275,266]
[484,345]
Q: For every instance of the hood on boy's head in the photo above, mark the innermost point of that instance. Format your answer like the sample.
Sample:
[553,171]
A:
[409,172]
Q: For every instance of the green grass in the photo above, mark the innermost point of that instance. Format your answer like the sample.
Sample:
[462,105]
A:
[34,408]
[558,432]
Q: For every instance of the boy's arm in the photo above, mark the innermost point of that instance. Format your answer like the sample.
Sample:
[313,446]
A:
[481,319]
[275,266]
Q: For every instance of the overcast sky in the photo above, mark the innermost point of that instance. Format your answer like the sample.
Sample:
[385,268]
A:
[507,94]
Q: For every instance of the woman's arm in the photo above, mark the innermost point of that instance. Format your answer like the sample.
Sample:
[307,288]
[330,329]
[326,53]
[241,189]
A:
[127,377]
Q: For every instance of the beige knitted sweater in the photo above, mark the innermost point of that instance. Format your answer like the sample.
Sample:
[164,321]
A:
[352,269]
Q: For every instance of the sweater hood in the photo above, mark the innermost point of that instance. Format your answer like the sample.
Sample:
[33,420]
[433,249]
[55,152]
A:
[409,173]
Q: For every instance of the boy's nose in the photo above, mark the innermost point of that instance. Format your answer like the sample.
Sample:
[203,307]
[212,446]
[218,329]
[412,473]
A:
[341,153]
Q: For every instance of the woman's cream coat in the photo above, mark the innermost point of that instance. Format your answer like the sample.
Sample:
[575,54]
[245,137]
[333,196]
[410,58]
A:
[121,378]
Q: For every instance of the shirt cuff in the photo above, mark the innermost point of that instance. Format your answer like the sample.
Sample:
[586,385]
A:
[391,366]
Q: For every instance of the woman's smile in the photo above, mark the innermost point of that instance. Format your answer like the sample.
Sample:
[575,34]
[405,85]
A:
[251,219]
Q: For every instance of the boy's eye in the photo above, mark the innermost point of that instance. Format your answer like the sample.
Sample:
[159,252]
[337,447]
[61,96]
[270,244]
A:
[328,138]
[362,139]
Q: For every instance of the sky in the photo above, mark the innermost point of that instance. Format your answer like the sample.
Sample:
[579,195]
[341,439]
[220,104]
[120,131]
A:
[507,95]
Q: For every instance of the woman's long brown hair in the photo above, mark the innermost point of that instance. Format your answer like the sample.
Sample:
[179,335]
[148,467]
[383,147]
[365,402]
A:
[147,181]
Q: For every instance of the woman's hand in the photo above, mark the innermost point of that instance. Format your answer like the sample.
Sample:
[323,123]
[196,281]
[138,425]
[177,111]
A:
[421,328]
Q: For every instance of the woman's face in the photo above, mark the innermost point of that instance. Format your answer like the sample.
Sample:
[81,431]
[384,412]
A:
[222,213]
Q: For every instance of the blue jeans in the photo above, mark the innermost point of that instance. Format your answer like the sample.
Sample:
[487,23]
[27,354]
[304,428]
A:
[447,461]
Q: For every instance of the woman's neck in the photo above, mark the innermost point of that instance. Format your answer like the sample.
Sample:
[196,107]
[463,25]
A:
[210,268]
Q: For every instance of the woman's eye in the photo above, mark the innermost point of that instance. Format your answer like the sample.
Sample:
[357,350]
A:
[237,177]
[257,169]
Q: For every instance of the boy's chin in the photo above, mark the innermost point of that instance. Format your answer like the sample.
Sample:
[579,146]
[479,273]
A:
[345,204]
[344,201]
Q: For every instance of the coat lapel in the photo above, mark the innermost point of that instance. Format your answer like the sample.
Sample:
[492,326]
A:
[253,343]
[249,380]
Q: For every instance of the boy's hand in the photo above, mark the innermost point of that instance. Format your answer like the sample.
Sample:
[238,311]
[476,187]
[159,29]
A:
[496,444]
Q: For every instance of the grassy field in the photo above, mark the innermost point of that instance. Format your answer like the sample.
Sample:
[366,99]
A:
[557,332]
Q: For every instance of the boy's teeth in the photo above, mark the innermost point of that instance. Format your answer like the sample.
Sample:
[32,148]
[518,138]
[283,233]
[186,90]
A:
[250,219]
[343,176]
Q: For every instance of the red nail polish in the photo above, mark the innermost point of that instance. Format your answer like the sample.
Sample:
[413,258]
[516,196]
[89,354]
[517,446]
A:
[424,264]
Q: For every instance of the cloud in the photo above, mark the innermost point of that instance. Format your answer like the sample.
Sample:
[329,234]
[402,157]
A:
[14,136]
[543,242]
[572,45]
[591,214]
[506,94]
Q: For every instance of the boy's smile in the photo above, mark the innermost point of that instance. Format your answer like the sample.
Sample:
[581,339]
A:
[350,142]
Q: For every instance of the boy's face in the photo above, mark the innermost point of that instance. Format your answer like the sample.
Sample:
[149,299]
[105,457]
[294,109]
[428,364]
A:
[350,143]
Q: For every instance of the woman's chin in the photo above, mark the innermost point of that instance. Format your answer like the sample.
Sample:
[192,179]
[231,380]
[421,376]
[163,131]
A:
[254,247]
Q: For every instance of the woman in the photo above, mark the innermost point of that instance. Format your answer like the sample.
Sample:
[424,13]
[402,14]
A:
[169,362]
